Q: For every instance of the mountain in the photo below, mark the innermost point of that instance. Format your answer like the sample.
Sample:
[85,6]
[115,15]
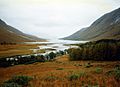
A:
[10,34]
[106,27]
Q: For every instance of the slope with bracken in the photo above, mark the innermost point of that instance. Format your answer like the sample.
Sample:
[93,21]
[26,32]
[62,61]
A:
[10,34]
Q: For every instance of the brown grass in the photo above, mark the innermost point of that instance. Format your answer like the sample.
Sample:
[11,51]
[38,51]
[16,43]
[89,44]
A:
[48,75]
[18,49]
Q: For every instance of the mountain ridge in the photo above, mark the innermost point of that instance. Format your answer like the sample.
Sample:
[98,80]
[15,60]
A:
[106,27]
[11,34]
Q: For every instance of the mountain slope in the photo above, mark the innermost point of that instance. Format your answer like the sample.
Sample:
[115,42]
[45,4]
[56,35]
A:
[106,27]
[10,34]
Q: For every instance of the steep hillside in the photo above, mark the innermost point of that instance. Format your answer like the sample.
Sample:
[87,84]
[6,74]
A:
[106,27]
[10,34]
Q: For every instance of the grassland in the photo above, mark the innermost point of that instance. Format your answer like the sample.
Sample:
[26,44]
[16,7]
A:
[65,73]
[18,49]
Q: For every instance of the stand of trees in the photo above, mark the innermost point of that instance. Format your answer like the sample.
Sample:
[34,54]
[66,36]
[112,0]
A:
[29,59]
[105,49]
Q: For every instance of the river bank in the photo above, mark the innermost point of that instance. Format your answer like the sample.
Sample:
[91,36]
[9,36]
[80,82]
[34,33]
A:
[36,47]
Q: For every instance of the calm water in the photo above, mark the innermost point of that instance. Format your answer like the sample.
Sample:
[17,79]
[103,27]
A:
[56,45]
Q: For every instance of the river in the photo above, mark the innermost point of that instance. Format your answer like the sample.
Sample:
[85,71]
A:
[56,45]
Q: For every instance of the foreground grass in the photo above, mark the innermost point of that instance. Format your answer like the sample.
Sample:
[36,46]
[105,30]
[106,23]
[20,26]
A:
[17,81]
[65,73]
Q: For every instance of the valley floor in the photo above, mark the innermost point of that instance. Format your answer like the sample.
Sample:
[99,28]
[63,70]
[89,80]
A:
[65,73]
[18,49]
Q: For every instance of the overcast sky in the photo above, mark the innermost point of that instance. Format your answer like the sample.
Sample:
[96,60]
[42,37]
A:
[58,18]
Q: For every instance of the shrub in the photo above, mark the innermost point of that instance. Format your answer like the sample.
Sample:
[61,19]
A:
[98,70]
[30,62]
[41,51]
[61,52]
[91,86]
[10,85]
[117,72]
[88,65]
[20,80]
[73,77]
[82,74]
[59,68]
[52,55]
[110,72]
[75,54]
[50,78]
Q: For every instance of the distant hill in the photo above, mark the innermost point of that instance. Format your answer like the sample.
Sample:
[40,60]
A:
[106,27]
[10,34]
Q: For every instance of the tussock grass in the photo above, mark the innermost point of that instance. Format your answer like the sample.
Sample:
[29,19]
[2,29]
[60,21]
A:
[46,75]
[17,81]
[98,70]
[60,69]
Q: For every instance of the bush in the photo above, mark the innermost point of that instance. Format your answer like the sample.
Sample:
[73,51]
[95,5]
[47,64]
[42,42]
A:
[31,62]
[73,77]
[60,69]
[92,86]
[82,74]
[51,78]
[10,85]
[117,72]
[52,55]
[20,80]
[88,65]
[76,76]
[75,54]
[98,70]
